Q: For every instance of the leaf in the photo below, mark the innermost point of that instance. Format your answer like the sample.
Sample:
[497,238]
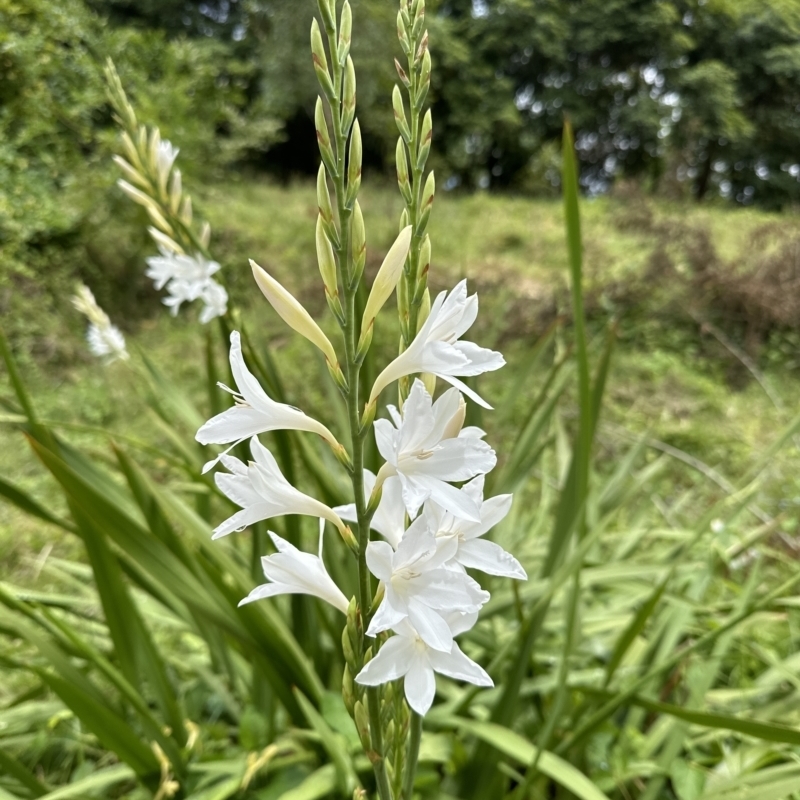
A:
[11,766]
[26,503]
[514,746]
[93,784]
[317,785]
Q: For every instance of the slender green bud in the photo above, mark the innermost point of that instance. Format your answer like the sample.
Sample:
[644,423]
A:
[159,221]
[324,206]
[428,191]
[348,690]
[324,139]
[416,30]
[345,32]
[403,24]
[402,74]
[361,719]
[404,219]
[425,138]
[205,234]
[418,8]
[320,61]
[185,214]
[400,114]
[348,650]
[424,80]
[327,268]
[369,414]
[175,191]
[348,95]
[402,170]
[327,10]
[354,165]
[359,793]
[424,266]
[358,244]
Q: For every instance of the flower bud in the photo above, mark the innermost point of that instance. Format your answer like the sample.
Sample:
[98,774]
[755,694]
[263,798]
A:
[402,170]
[425,138]
[400,114]
[361,719]
[293,314]
[424,81]
[205,234]
[136,195]
[326,10]
[339,379]
[324,206]
[418,9]
[130,150]
[162,240]
[369,414]
[345,32]
[320,61]
[402,74]
[428,191]
[404,220]
[348,95]
[159,221]
[326,260]
[386,279]
[152,151]
[323,138]
[403,23]
[354,165]
[358,244]
[175,191]
[348,690]
[133,175]
[185,214]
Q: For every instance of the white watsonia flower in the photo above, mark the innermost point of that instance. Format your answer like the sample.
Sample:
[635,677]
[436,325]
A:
[407,656]
[436,348]
[216,302]
[389,519]
[165,155]
[263,492]
[419,588]
[291,571]
[107,341]
[472,551]
[103,338]
[254,411]
[425,448]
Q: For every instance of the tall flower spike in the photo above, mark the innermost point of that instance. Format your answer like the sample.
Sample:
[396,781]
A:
[472,551]
[291,571]
[426,448]
[263,492]
[419,587]
[437,349]
[406,655]
[104,339]
[254,411]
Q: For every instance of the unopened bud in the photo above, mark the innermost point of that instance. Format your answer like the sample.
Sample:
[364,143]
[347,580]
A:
[326,10]
[159,221]
[345,32]
[348,690]
[320,60]
[323,138]
[400,114]
[361,719]
[403,23]
[152,152]
[348,651]
[131,152]
[424,80]
[205,234]
[354,165]
[339,379]
[369,414]
[348,95]
[131,174]
[378,599]
[417,8]
[358,244]
[185,214]
[425,138]
[343,457]
[428,191]
[402,74]
[359,793]
[326,260]
[175,191]
[324,206]
[404,219]
[402,170]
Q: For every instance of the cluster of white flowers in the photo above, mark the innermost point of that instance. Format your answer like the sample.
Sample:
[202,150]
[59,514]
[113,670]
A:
[432,530]
[105,339]
[187,278]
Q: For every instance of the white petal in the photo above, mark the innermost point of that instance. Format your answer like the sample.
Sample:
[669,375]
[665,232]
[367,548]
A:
[232,424]
[384,438]
[241,519]
[458,460]
[473,395]
[379,560]
[392,662]
[480,359]
[430,626]
[493,511]
[385,617]
[390,516]
[414,492]
[453,500]
[489,557]
[457,665]
[420,686]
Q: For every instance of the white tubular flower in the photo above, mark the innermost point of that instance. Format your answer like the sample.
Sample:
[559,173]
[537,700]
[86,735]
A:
[165,155]
[263,492]
[419,587]
[406,655]
[472,551]
[171,266]
[291,571]
[104,339]
[216,302]
[425,449]
[254,411]
[389,519]
[436,348]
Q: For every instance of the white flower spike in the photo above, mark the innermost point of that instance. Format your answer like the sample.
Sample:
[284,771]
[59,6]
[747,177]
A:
[472,551]
[104,339]
[419,587]
[254,411]
[291,571]
[406,655]
[426,448]
[437,348]
[263,492]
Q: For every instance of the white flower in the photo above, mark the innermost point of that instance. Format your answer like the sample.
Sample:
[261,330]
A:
[425,448]
[107,341]
[291,571]
[436,348]
[254,411]
[406,655]
[389,518]
[472,551]
[263,492]
[216,301]
[165,155]
[419,588]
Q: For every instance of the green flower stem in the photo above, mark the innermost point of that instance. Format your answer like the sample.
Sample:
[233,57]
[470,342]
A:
[353,369]
[413,755]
